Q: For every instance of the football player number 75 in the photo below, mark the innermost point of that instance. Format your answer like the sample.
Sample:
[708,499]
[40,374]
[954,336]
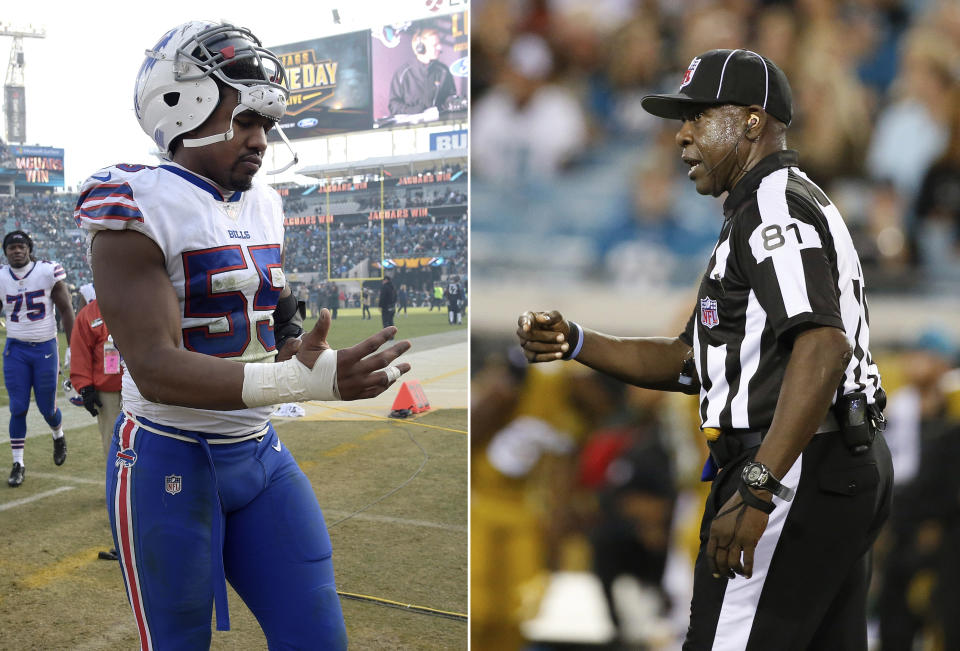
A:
[202,300]
[35,311]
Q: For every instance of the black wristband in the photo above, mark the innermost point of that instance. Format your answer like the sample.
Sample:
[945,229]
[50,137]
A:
[573,341]
[752,500]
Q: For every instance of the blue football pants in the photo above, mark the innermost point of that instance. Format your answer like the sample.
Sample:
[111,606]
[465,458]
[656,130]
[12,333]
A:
[31,366]
[165,512]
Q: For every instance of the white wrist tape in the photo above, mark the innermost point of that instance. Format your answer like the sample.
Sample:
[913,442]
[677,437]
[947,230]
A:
[291,381]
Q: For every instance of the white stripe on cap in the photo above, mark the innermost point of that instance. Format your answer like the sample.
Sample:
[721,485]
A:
[766,75]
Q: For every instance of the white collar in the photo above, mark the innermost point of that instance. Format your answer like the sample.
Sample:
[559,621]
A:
[29,267]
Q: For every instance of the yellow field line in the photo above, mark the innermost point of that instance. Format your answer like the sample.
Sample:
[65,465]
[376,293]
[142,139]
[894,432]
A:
[401,604]
[447,374]
[60,569]
[396,421]
[343,448]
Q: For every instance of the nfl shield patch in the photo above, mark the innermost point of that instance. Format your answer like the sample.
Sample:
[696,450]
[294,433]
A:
[708,312]
[172,484]
[688,75]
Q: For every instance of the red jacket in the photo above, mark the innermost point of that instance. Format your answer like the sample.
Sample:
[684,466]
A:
[86,351]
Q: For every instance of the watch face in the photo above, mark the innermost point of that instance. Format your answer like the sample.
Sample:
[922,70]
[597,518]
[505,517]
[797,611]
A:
[754,474]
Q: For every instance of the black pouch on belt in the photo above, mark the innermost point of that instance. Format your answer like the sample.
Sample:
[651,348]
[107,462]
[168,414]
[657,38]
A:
[856,422]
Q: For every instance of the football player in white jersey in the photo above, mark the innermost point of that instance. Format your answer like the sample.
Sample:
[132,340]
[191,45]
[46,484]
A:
[31,357]
[187,260]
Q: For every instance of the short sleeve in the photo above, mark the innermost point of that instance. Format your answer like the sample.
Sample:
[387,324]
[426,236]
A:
[106,205]
[687,335]
[107,202]
[785,252]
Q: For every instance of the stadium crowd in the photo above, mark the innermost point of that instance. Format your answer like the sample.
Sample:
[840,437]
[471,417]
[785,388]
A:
[586,494]
[351,245]
[366,200]
[556,97]
[49,220]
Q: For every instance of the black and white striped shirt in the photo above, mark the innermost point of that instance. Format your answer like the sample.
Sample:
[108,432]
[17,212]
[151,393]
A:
[784,262]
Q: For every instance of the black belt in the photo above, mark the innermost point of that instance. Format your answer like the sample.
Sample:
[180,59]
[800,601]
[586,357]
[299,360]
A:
[732,443]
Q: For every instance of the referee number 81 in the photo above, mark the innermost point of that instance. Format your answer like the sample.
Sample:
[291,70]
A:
[773,236]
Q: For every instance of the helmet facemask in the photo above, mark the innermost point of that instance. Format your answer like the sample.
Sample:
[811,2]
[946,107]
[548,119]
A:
[234,57]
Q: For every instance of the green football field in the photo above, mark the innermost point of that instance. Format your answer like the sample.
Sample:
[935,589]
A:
[408,550]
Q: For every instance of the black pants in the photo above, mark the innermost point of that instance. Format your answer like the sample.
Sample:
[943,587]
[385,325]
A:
[386,316]
[812,565]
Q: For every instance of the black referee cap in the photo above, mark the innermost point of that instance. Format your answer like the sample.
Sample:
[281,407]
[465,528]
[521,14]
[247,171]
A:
[727,77]
[17,237]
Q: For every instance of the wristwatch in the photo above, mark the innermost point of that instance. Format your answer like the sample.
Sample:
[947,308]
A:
[756,475]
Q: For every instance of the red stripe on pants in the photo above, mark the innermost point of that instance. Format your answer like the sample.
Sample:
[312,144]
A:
[126,542]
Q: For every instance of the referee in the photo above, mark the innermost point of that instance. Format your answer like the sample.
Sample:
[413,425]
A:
[778,349]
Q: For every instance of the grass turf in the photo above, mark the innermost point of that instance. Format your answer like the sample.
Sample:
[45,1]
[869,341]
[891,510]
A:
[410,548]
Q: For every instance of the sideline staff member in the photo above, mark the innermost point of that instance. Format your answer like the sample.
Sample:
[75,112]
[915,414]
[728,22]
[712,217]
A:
[95,369]
[778,346]
[95,373]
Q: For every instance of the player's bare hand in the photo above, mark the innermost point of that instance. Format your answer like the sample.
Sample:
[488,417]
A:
[362,372]
[314,342]
[543,335]
[735,530]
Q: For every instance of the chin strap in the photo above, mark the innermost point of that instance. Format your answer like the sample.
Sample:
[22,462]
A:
[295,158]
[244,105]
[218,137]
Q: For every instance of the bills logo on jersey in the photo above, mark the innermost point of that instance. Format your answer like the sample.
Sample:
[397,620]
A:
[708,312]
[172,483]
[688,75]
[126,458]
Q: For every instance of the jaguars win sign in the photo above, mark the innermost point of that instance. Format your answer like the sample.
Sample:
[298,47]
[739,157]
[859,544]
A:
[37,167]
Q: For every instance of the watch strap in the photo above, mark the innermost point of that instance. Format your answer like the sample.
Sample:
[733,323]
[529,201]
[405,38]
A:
[771,484]
[784,492]
[752,500]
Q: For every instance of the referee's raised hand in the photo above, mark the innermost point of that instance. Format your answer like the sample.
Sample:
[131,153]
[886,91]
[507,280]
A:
[543,336]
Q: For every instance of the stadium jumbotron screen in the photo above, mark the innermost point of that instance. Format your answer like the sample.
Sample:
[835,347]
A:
[406,73]
[32,166]
[329,83]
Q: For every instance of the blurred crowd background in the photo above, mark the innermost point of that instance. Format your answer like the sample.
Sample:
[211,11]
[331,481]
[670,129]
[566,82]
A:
[354,240]
[557,121]
[586,496]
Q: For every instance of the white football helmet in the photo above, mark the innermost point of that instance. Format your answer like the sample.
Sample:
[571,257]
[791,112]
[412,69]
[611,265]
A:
[176,92]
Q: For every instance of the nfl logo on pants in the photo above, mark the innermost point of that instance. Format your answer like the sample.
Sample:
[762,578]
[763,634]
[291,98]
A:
[173,484]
